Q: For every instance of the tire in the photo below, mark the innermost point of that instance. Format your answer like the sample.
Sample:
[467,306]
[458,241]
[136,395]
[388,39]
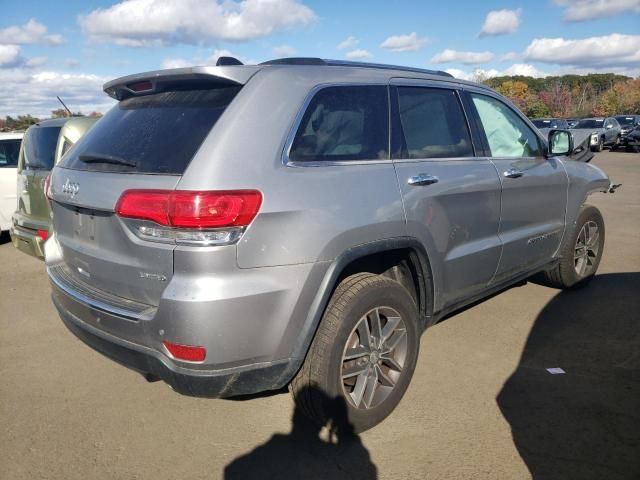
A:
[321,390]
[572,272]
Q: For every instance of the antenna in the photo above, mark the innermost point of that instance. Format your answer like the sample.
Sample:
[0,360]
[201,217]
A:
[65,107]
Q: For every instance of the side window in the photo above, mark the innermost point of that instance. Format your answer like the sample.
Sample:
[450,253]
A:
[344,123]
[9,150]
[66,145]
[508,135]
[433,124]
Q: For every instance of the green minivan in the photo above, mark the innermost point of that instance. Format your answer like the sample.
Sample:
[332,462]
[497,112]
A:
[43,146]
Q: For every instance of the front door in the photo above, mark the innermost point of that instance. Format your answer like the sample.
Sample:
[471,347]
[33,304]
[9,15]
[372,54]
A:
[451,196]
[534,188]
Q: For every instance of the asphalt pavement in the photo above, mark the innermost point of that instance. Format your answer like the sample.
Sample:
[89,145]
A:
[481,405]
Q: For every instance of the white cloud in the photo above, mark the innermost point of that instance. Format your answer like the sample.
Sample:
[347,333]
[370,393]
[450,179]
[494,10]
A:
[210,60]
[467,58]
[349,42]
[404,43]
[515,69]
[608,50]
[36,61]
[510,57]
[359,54]
[284,51]
[141,23]
[28,92]
[176,63]
[525,69]
[501,22]
[582,10]
[9,55]
[29,33]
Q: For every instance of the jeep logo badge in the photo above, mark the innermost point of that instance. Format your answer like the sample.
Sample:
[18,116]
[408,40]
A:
[70,188]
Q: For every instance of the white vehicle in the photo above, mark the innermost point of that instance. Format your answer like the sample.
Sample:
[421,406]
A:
[9,152]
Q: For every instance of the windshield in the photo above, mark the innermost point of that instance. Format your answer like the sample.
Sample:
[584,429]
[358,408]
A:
[158,133]
[545,123]
[590,123]
[626,120]
[40,147]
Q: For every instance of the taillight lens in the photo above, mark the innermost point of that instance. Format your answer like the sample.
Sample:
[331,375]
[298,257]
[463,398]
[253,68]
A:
[190,353]
[190,217]
[43,234]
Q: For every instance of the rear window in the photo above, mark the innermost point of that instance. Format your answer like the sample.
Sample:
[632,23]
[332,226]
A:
[626,120]
[40,147]
[9,150]
[344,123]
[588,123]
[158,133]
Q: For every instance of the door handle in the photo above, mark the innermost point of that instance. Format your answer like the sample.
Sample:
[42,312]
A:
[422,179]
[513,173]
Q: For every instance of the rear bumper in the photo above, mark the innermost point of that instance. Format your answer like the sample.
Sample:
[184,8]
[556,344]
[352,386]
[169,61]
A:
[155,365]
[27,241]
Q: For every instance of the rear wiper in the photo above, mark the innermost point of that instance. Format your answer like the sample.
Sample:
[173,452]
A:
[104,158]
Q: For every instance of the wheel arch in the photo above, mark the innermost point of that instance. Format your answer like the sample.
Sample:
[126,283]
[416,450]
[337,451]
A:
[365,257]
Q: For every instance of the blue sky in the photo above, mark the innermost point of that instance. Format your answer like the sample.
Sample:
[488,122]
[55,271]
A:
[71,47]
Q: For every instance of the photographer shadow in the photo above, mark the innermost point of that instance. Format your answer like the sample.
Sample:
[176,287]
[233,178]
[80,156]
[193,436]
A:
[585,423]
[303,454]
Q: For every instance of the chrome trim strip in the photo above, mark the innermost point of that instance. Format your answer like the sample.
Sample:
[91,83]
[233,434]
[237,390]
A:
[98,305]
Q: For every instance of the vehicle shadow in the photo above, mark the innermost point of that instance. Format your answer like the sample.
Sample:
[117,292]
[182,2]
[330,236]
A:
[584,423]
[303,454]
[4,238]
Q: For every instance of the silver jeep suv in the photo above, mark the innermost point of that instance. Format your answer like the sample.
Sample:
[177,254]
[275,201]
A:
[237,229]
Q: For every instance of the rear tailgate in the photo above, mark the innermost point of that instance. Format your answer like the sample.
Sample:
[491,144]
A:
[145,142]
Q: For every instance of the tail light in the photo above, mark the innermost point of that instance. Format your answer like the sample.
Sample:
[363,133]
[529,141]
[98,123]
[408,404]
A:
[43,234]
[190,217]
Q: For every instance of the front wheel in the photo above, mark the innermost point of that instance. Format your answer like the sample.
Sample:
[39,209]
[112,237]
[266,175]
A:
[363,355]
[580,252]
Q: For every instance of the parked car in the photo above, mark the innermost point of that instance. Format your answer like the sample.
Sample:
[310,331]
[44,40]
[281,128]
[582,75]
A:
[572,122]
[545,125]
[627,123]
[601,132]
[9,150]
[203,244]
[45,143]
[631,141]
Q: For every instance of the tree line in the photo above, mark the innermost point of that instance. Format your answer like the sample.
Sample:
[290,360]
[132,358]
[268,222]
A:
[569,96]
[22,122]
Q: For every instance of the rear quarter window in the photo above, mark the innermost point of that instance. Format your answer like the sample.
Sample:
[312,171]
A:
[158,133]
[344,123]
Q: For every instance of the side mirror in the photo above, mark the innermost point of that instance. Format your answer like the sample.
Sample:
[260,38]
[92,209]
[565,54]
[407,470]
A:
[560,142]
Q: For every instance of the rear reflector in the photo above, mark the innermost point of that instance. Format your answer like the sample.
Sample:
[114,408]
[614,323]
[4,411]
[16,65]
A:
[189,353]
[43,234]
[191,209]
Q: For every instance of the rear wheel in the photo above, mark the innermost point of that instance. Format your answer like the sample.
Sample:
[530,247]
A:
[362,357]
[580,253]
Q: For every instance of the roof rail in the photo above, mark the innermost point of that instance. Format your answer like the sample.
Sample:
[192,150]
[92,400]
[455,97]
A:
[347,63]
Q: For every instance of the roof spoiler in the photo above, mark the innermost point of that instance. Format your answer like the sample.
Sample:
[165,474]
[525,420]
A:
[162,80]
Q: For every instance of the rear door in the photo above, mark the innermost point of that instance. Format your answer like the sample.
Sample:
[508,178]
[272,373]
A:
[534,188]
[451,195]
[144,142]
[9,150]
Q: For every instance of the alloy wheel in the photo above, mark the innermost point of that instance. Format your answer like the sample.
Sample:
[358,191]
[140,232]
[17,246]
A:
[374,357]
[586,249]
